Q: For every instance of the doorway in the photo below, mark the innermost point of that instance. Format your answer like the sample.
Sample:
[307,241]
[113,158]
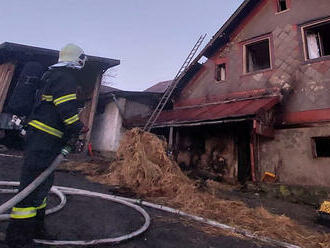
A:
[243,153]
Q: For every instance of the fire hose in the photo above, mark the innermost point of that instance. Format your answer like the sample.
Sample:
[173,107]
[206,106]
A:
[132,203]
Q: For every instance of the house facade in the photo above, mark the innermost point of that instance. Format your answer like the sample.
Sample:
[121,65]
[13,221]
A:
[260,103]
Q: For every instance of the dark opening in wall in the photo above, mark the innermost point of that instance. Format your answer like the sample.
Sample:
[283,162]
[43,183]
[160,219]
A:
[318,40]
[321,146]
[257,56]
[220,72]
[281,5]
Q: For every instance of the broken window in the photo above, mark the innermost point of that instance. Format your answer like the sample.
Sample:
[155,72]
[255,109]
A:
[281,5]
[318,40]
[321,147]
[257,56]
[220,72]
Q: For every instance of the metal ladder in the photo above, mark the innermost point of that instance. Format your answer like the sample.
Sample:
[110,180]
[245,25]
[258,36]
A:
[166,96]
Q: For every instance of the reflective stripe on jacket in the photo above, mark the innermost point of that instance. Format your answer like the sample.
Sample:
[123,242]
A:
[45,128]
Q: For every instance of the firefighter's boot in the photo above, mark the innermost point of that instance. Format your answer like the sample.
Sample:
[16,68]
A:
[20,233]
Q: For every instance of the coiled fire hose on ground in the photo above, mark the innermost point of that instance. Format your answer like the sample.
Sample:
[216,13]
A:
[132,203]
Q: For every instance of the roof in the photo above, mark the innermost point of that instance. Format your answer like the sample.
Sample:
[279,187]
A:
[221,38]
[107,89]
[12,51]
[159,87]
[229,110]
[148,98]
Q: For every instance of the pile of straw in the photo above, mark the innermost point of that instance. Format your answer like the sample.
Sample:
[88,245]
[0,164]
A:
[144,167]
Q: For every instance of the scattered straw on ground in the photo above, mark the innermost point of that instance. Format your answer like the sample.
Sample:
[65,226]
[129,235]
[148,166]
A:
[144,167]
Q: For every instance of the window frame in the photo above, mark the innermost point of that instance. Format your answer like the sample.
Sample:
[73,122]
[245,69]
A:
[277,7]
[314,150]
[256,40]
[303,31]
[216,70]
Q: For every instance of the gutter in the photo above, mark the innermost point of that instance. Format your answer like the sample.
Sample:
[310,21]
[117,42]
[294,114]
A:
[201,123]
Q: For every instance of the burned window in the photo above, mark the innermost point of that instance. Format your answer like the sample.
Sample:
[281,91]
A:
[318,40]
[220,72]
[281,5]
[321,147]
[257,56]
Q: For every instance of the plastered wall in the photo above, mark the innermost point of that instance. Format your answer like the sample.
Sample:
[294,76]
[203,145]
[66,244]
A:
[290,156]
[308,80]
[107,128]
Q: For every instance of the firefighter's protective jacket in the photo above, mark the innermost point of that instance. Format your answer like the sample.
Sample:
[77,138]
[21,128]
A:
[55,118]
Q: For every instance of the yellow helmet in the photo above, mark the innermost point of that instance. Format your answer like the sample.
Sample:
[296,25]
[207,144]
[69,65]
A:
[72,54]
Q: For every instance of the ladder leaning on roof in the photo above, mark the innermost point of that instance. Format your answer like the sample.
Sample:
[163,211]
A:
[168,92]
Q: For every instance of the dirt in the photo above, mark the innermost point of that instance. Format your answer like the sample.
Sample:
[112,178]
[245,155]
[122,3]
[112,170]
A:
[86,218]
[305,215]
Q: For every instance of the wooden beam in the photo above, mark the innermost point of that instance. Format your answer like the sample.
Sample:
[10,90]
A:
[252,156]
[92,107]
[6,75]
[170,139]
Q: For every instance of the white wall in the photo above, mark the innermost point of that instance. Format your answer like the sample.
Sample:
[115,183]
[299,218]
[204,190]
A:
[107,128]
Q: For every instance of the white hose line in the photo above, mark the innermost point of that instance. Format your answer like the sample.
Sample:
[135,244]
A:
[131,203]
[58,193]
[32,186]
[246,233]
[108,240]
[10,155]
[88,242]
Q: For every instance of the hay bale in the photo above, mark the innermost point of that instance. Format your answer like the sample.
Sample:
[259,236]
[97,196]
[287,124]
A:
[184,159]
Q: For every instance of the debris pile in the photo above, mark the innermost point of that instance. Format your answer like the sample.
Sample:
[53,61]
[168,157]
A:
[144,167]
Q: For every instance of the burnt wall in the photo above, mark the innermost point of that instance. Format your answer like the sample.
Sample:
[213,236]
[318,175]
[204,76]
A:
[290,157]
[136,109]
[209,152]
[308,81]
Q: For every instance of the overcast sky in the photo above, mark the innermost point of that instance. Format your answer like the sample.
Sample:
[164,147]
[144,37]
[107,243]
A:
[151,38]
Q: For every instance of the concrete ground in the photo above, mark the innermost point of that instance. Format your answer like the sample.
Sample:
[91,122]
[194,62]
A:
[85,218]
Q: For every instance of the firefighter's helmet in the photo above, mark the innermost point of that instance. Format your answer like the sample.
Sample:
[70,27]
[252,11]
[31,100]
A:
[72,53]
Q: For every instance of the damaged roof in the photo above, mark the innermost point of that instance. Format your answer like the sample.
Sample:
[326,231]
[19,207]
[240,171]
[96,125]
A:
[13,51]
[211,113]
[229,110]
[107,89]
[159,87]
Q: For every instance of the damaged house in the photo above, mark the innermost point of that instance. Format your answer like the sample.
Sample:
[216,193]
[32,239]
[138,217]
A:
[260,103]
[118,110]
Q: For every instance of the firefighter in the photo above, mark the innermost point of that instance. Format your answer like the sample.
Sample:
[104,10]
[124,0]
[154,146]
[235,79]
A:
[53,123]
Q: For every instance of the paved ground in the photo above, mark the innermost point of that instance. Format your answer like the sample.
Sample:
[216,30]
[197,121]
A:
[87,218]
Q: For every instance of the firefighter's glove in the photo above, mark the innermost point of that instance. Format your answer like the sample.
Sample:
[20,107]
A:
[74,143]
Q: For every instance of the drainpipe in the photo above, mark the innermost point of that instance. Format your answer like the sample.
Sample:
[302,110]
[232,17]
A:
[121,113]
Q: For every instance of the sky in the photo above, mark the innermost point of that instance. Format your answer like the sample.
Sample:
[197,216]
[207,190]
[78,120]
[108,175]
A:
[151,38]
